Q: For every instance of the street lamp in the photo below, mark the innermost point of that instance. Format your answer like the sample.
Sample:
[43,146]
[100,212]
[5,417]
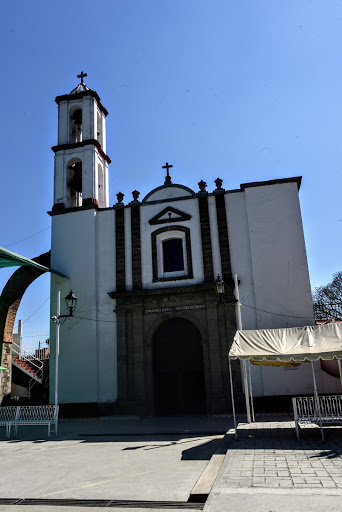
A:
[70,302]
[220,288]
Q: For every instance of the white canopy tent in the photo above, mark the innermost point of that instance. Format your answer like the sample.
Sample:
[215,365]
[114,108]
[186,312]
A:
[283,347]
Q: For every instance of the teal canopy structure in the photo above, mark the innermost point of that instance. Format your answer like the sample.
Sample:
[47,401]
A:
[11,259]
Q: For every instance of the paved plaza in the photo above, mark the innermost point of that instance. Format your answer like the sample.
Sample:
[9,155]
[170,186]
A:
[267,469]
[123,461]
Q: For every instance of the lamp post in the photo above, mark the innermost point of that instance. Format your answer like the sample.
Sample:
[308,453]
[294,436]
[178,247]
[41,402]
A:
[221,292]
[70,302]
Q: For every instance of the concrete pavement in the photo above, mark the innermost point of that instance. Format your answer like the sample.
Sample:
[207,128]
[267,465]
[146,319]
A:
[151,459]
[163,460]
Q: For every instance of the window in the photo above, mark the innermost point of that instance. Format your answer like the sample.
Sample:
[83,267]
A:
[173,255]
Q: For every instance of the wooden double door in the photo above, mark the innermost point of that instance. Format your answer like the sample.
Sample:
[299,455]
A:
[179,379]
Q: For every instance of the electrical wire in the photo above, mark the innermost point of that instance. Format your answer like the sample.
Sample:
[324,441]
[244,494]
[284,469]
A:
[33,313]
[95,320]
[277,314]
[30,236]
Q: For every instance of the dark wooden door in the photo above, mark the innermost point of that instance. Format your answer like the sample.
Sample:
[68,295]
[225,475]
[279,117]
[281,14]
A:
[179,386]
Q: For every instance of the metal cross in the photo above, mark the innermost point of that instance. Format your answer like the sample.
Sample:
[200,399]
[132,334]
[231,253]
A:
[81,76]
[167,167]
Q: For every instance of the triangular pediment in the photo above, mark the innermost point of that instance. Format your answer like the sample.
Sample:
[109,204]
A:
[169,214]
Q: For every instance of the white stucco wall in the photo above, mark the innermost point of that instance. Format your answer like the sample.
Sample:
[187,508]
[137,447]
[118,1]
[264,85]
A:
[268,254]
[87,344]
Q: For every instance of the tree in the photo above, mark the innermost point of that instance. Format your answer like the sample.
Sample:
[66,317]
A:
[327,299]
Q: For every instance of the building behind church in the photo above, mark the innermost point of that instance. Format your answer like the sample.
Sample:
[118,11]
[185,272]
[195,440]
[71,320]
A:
[149,335]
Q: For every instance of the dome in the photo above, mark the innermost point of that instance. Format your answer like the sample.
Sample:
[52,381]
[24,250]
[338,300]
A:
[80,88]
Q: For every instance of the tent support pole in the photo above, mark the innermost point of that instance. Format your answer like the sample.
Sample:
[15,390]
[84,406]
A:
[246,391]
[250,390]
[239,326]
[232,395]
[317,399]
[340,369]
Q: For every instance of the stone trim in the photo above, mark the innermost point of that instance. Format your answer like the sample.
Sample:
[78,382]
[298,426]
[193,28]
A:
[174,185]
[206,239]
[120,249]
[75,145]
[136,247]
[181,216]
[223,236]
[79,95]
[154,235]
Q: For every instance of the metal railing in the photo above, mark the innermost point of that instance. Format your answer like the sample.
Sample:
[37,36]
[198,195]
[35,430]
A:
[330,409]
[33,361]
[37,344]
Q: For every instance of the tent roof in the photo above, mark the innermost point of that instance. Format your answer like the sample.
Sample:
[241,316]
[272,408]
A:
[11,259]
[294,344]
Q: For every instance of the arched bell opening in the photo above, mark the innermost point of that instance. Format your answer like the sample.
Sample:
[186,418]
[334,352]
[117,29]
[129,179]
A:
[74,183]
[178,368]
[101,185]
[99,127]
[75,124]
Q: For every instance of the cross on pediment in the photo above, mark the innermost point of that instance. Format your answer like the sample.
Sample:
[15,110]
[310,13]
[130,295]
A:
[167,166]
[81,76]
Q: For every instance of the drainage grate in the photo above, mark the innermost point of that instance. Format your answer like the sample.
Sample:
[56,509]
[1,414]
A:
[104,503]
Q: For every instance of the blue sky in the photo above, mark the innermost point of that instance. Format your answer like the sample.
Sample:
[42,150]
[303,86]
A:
[243,90]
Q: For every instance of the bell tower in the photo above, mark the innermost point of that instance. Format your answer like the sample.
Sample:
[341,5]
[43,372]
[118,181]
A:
[81,162]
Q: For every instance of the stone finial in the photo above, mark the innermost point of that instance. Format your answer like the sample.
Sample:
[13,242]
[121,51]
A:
[202,185]
[135,195]
[120,197]
[218,182]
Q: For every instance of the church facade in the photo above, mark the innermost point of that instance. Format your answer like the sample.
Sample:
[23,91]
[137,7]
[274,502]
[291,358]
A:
[150,335]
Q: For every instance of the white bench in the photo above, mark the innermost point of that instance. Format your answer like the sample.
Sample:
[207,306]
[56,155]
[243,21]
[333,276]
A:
[7,416]
[305,410]
[29,415]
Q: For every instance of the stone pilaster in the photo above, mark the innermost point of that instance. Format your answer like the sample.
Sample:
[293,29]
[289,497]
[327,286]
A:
[120,248]
[206,239]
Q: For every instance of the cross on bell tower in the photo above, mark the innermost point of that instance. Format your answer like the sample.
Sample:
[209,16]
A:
[81,76]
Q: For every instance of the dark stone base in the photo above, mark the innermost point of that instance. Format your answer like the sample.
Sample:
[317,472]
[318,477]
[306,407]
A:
[84,410]
[90,201]
[273,404]
[58,207]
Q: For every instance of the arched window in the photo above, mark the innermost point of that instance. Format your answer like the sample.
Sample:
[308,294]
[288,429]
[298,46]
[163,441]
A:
[74,182]
[99,128]
[101,194]
[76,124]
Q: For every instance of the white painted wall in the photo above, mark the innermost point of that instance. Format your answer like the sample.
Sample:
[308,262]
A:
[268,254]
[105,308]
[87,344]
